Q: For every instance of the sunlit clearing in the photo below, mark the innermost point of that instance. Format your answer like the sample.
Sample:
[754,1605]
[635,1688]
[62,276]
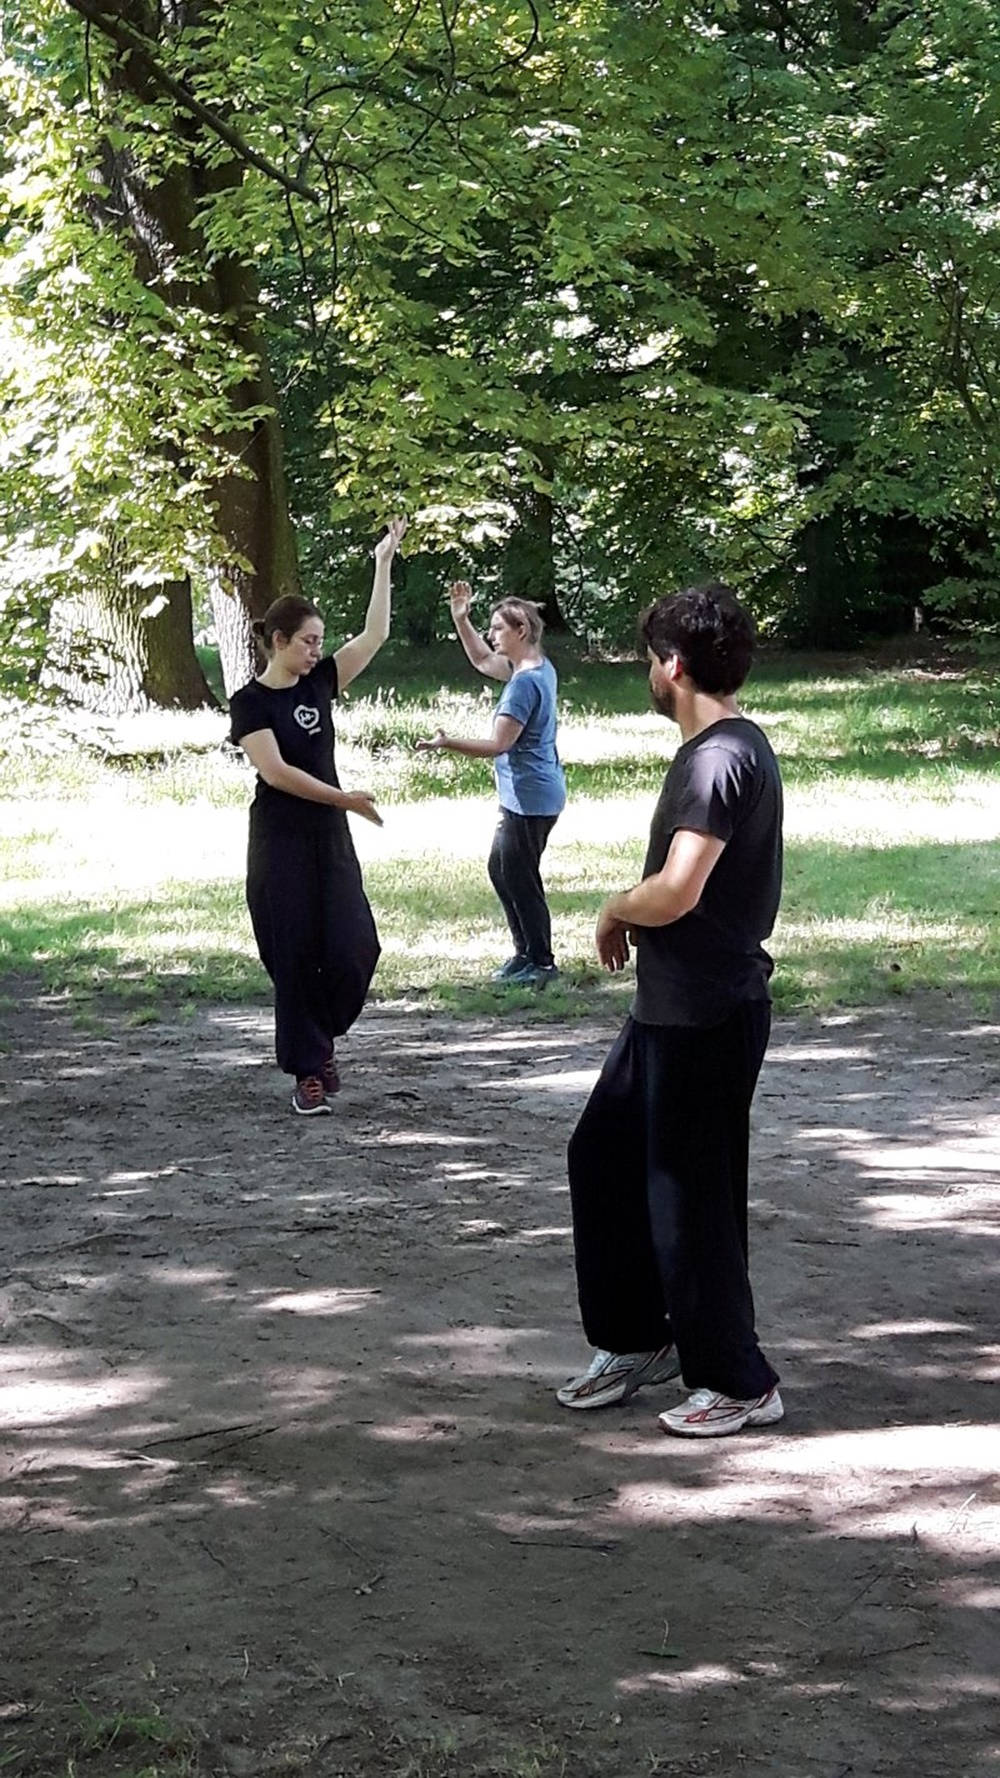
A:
[689,1679]
[43,1404]
[320,1302]
[803,1478]
[186,1275]
[889,1330]
[428,1429]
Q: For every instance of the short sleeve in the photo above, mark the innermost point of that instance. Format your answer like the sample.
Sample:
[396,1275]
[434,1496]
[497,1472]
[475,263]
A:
[325,675]
[246,714]
[712,795]
[519,698]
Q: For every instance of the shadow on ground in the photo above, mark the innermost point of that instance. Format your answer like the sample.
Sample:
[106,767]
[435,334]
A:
[284,1464]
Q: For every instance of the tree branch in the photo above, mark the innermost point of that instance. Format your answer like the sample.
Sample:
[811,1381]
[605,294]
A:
[134,44]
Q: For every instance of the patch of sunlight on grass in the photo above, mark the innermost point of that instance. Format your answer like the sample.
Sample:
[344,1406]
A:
[891,928]
[122,858]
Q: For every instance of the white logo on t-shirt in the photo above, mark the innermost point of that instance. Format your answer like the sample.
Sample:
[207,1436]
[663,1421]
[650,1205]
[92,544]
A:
[307,717]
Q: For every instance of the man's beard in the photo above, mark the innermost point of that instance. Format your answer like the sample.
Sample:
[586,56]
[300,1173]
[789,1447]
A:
[665,702]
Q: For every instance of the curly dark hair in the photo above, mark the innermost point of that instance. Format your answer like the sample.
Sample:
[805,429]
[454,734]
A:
[709,631]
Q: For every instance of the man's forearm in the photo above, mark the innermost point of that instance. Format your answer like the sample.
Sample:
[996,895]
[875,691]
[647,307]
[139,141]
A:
[651,903]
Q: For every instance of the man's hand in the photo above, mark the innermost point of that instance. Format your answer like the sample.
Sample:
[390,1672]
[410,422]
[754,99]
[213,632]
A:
[361,802]
[611,939]
[434,744]
[391,539]
[459,598]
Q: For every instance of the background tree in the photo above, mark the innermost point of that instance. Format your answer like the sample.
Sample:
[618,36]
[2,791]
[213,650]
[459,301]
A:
[603,294]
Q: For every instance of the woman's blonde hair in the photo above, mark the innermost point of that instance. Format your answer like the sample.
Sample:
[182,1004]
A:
[524,614]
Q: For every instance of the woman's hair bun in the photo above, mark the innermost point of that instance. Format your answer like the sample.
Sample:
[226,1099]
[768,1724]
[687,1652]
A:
[258,626]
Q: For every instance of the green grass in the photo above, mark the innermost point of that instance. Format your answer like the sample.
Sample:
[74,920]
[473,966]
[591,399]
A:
[121,849]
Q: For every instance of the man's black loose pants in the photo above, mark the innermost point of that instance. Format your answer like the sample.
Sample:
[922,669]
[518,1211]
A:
[658,1181]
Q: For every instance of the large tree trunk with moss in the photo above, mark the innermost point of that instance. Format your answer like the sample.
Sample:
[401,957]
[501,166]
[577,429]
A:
[250,508]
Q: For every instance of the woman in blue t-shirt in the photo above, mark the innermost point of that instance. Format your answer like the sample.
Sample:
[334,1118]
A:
[530,781]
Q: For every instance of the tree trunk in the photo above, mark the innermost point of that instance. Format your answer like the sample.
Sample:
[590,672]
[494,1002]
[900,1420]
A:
[162,222]
[116,648]
[252,515]
[529,564]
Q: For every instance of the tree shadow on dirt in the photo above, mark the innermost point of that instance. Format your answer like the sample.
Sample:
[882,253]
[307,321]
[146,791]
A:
[284,1460]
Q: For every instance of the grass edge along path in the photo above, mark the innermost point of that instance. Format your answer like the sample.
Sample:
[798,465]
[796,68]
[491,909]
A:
[122,875]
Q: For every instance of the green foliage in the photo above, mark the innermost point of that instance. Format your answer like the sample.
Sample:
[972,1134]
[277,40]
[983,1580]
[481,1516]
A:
[607,298]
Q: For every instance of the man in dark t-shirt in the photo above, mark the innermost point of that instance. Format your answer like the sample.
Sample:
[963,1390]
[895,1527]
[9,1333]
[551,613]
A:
[658,1161]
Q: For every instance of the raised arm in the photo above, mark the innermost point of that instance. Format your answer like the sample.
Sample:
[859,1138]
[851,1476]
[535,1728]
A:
[355,655]
[477,649]
[261,749]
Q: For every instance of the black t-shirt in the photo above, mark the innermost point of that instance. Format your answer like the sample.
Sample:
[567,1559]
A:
[300,719]
[724,782]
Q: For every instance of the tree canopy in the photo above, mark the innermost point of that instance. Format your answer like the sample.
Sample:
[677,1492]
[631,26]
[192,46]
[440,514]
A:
[607,295]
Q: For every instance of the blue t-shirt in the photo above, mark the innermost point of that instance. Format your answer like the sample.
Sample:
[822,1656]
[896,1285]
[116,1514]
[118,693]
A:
[529,777]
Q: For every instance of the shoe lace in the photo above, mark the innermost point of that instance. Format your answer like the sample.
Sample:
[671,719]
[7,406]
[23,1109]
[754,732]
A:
[310,1090]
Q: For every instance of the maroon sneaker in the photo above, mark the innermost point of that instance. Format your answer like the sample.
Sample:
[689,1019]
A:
[308,1098]
[330,1076]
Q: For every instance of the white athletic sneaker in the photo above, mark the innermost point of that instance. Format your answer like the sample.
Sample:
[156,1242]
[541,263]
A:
[615,1376]
[707,1414]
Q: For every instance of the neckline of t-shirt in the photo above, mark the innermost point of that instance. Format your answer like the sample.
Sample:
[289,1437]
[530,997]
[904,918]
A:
[279,689]
[703,733]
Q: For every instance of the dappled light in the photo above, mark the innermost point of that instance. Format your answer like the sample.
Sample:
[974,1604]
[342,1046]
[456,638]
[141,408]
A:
[309,1378]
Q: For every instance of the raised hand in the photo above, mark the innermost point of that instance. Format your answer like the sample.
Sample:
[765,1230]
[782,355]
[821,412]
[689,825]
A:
[434,744]
[389,543]
[459,598]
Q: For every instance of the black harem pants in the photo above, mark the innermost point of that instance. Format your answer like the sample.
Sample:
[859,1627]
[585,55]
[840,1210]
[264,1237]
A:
[314,931]
[658,1179]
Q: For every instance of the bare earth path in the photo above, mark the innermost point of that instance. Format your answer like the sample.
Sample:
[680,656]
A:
[282,1459]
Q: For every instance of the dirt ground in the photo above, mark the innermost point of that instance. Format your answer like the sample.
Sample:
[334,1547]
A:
[283,1463]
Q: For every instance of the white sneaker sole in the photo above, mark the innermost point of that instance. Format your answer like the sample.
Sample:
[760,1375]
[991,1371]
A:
[311,1110]
[768,1414]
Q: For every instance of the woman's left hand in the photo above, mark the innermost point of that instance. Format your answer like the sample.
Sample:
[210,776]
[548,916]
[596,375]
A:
[434,745]
[389,543]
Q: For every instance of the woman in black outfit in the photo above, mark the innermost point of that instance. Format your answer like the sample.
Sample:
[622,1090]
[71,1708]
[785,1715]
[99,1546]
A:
[310,916]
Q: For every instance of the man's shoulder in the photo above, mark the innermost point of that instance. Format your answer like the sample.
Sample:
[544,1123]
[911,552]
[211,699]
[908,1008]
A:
[738,741]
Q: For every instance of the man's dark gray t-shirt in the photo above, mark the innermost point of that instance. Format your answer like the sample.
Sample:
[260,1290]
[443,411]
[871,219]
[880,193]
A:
[724,782]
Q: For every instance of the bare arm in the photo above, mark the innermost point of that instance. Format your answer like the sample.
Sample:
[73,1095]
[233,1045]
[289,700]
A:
[660,899]
[353,657]
[505,733]
[261,749]
[477,649]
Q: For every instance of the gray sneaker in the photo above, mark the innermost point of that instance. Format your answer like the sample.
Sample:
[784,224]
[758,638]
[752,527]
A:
[533,975]
[512,966]
[615,1376]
